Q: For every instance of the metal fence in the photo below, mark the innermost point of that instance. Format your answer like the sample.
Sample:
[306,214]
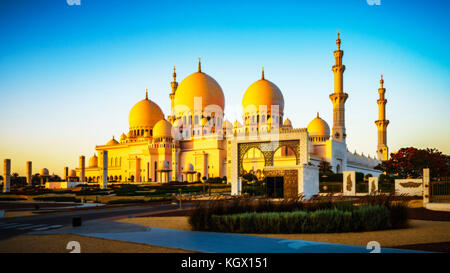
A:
[440,191]
[330,187]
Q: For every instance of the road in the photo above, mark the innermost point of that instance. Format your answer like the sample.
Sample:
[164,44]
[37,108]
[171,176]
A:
[13,226]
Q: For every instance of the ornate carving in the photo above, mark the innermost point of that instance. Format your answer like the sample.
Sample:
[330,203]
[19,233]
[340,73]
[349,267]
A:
[268,150]
[349,184]
[410,184]
[372,190]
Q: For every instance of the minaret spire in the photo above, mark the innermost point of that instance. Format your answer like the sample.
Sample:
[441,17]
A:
[174,74]
[174,86]
[382,123]
[338,98]
[338,41]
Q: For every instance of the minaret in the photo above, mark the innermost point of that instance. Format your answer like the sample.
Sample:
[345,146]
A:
[174,86]
[382,123]
[338,98]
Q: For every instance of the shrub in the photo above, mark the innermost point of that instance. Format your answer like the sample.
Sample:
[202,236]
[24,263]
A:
[398,215]
[364,218]
[201,217]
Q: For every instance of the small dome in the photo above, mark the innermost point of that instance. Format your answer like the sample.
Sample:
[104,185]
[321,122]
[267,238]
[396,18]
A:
[112,142]
[93,162]
[44,172]
[201,85]
[318,128]
[123,137]
[162,128]
[144,114]
[262,92]
[287,123]
[72,173]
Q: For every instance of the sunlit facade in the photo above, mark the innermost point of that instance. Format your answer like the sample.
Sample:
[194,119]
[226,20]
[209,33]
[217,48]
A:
[192,142]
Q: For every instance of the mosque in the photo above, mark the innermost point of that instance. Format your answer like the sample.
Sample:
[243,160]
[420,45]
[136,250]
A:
[195,142]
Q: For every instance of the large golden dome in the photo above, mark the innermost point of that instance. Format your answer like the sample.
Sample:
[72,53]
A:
[198,84]
[319,128]
[263,92]
[144,115]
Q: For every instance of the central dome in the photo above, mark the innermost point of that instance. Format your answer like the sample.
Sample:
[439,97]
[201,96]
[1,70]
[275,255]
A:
[263,92]
[144,115]
[201,85]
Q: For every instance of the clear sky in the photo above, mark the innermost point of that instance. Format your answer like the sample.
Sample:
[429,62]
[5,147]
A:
[69,74]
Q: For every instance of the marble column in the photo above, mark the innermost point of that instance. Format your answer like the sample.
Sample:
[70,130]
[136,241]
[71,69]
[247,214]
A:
[29,172]
[6,175]
[426,184]
[66,174]
[104,156]
[82,164]
[138,169]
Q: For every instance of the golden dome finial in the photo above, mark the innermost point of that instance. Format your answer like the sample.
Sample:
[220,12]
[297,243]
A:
[146,93]
[199,65]
[338,41]
[262,74]
[317,114]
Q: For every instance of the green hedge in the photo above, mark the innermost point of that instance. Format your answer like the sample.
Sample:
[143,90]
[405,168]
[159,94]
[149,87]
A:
[364,218]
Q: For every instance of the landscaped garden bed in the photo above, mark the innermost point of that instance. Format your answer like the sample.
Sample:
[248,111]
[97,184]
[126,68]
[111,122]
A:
[297,216]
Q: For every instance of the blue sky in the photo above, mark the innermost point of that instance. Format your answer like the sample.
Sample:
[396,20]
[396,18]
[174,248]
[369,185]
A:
[70,74]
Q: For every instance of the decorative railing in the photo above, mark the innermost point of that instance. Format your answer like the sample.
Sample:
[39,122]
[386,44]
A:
[440,191]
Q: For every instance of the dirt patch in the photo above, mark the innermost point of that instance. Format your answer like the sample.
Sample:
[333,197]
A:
[58,244]
[175,222]
[426,214]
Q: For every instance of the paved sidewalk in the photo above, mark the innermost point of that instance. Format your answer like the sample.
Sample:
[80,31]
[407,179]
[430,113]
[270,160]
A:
[209,242]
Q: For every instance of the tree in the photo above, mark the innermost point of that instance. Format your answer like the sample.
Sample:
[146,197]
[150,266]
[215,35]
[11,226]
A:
[325,168]
[249,177]
[410,162]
